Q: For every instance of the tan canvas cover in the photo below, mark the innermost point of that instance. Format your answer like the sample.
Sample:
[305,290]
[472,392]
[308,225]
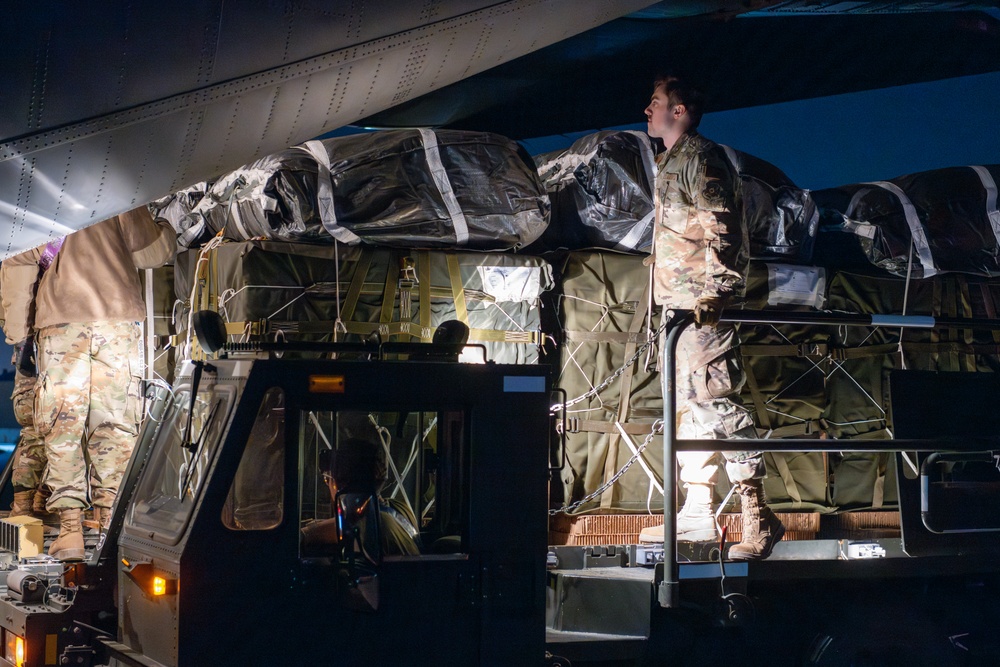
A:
[604,316]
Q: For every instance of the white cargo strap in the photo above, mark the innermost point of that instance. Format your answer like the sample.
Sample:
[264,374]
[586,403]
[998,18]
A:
[991,198]
[631,240]
[917,235]
[733,160]
[324,194]
[444,186]
[642,462]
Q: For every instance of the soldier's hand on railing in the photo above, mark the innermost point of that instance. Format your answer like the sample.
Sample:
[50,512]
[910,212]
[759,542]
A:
[708,310]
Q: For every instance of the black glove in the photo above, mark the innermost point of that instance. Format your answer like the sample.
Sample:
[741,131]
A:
[708,311]
[24,357]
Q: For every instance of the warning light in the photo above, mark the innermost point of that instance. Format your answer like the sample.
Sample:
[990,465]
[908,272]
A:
[326,384]
[159,586]
[14,649]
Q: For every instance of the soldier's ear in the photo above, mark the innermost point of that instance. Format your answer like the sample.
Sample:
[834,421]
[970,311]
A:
[679,110]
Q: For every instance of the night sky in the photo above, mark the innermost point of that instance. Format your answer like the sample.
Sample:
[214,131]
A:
[875,135]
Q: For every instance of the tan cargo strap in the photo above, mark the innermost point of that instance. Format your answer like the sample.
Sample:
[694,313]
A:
[785,350]
[803,428]
[393,282]
[457,292]
[625,391]
[357,285]
[763,418]
[575,425]
[781,463]
[989,305]
[424,303]
[822,350]
[623,337]
[878,493]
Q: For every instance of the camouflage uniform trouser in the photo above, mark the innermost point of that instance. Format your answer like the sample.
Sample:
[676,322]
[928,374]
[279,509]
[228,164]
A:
[29,455]
[709,378]
[87,408]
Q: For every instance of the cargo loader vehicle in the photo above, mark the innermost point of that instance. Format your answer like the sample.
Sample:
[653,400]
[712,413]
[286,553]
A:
[205,561]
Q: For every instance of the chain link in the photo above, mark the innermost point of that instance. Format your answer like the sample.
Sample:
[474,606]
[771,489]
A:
[656,430]
[614,376]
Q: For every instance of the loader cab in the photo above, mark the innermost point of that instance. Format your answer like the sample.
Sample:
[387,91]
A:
[233,550]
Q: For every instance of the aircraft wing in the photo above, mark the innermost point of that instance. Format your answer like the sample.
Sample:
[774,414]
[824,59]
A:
[789,51]
[110,105]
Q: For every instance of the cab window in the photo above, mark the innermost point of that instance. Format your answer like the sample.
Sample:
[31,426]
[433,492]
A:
[425,475]
[180,461]
[256,496]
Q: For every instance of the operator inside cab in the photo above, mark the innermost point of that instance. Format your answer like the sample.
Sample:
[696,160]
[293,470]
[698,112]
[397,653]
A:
[360,466]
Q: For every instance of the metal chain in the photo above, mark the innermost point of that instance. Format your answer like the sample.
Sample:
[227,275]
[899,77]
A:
[657,429]
[614,376]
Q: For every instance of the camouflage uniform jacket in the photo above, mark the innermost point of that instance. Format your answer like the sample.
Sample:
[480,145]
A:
[700,237]
[93,278]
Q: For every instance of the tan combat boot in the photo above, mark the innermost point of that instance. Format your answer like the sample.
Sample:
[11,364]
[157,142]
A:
[695,521]
[69,544]
[38,506]
[761,527]
[102,515]
[22,505]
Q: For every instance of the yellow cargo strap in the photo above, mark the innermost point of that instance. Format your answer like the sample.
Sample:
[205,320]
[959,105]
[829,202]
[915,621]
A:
[457,291]
[424,277]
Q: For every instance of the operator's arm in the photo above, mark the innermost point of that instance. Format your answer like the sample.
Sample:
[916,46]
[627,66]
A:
[18,275]
[152,242]
[716,223]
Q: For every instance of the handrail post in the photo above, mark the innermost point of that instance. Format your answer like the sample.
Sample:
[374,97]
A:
[667,595]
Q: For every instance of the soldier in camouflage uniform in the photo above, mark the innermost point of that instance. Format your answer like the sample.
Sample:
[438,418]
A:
[88,401]
[700,261]
[29,455]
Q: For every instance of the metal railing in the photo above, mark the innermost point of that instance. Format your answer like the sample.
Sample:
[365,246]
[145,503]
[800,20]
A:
[667,593]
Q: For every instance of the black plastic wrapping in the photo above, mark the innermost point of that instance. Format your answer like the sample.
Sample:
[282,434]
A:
[384,192]
[782,219]
[950,216]
[181,210]
[601,191]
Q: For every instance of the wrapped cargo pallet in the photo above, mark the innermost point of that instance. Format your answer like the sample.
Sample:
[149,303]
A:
[782,219]
[604,313]
[267,289]
[601,190]
[183,210]
[400,188]
[944,220]
[606,321]
[785,385]
[832,381]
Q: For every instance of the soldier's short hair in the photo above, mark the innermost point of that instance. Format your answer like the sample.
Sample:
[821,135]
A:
[357,466]
[679,91]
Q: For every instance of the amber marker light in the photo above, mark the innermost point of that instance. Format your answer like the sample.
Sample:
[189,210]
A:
[326,384]
[159,586]
[14,649]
